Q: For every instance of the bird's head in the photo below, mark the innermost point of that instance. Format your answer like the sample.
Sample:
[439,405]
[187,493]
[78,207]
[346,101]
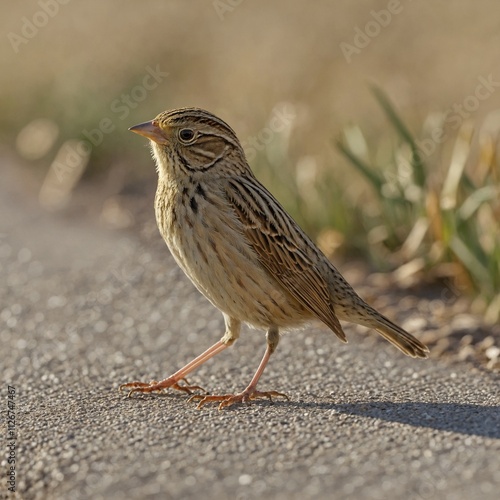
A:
[191,140]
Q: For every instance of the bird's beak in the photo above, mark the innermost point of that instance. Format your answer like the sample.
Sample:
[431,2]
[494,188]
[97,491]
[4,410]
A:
[151,130]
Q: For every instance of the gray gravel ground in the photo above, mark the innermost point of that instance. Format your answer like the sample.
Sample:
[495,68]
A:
[84,309]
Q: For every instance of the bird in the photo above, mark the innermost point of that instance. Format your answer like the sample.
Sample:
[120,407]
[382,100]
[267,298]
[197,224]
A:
[242,250]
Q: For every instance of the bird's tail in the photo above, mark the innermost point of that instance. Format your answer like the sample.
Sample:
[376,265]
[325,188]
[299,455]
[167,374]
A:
[398,337]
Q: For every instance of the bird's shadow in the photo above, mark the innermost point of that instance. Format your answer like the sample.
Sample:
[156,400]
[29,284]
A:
[468,419]
[464,418]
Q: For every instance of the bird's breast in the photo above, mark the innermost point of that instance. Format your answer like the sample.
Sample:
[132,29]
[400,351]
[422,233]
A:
[208,243]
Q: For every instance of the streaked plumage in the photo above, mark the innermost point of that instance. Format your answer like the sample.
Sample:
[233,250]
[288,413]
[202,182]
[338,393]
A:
[240,247]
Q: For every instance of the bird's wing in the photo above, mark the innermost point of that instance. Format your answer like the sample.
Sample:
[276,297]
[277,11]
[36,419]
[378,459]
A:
[283,248]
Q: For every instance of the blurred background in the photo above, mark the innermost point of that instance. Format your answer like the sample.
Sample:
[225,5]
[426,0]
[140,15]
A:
[375,122]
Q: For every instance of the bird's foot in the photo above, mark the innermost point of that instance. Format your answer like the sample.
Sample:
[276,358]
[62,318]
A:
[226,400]
[155,386]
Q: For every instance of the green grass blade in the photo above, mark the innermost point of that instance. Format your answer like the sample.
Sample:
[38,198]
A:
[476,199]
[417,162]
[375,180]
[470,261]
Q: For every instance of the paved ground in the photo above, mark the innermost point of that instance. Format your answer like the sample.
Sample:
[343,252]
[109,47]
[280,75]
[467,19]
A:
[83,309]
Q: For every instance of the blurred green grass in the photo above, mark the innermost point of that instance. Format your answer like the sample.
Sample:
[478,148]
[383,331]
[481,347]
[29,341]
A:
[434,210]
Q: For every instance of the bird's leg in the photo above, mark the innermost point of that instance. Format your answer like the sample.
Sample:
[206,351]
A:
[180,375]
[232,333]
[251,391]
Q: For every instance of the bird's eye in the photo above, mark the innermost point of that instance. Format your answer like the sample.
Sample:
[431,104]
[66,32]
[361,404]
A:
[186,134]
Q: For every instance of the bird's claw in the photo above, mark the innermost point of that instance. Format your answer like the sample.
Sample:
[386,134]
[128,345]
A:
[155,386]
[227,400]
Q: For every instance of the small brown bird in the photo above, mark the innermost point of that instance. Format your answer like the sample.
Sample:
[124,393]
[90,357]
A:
[241,249]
